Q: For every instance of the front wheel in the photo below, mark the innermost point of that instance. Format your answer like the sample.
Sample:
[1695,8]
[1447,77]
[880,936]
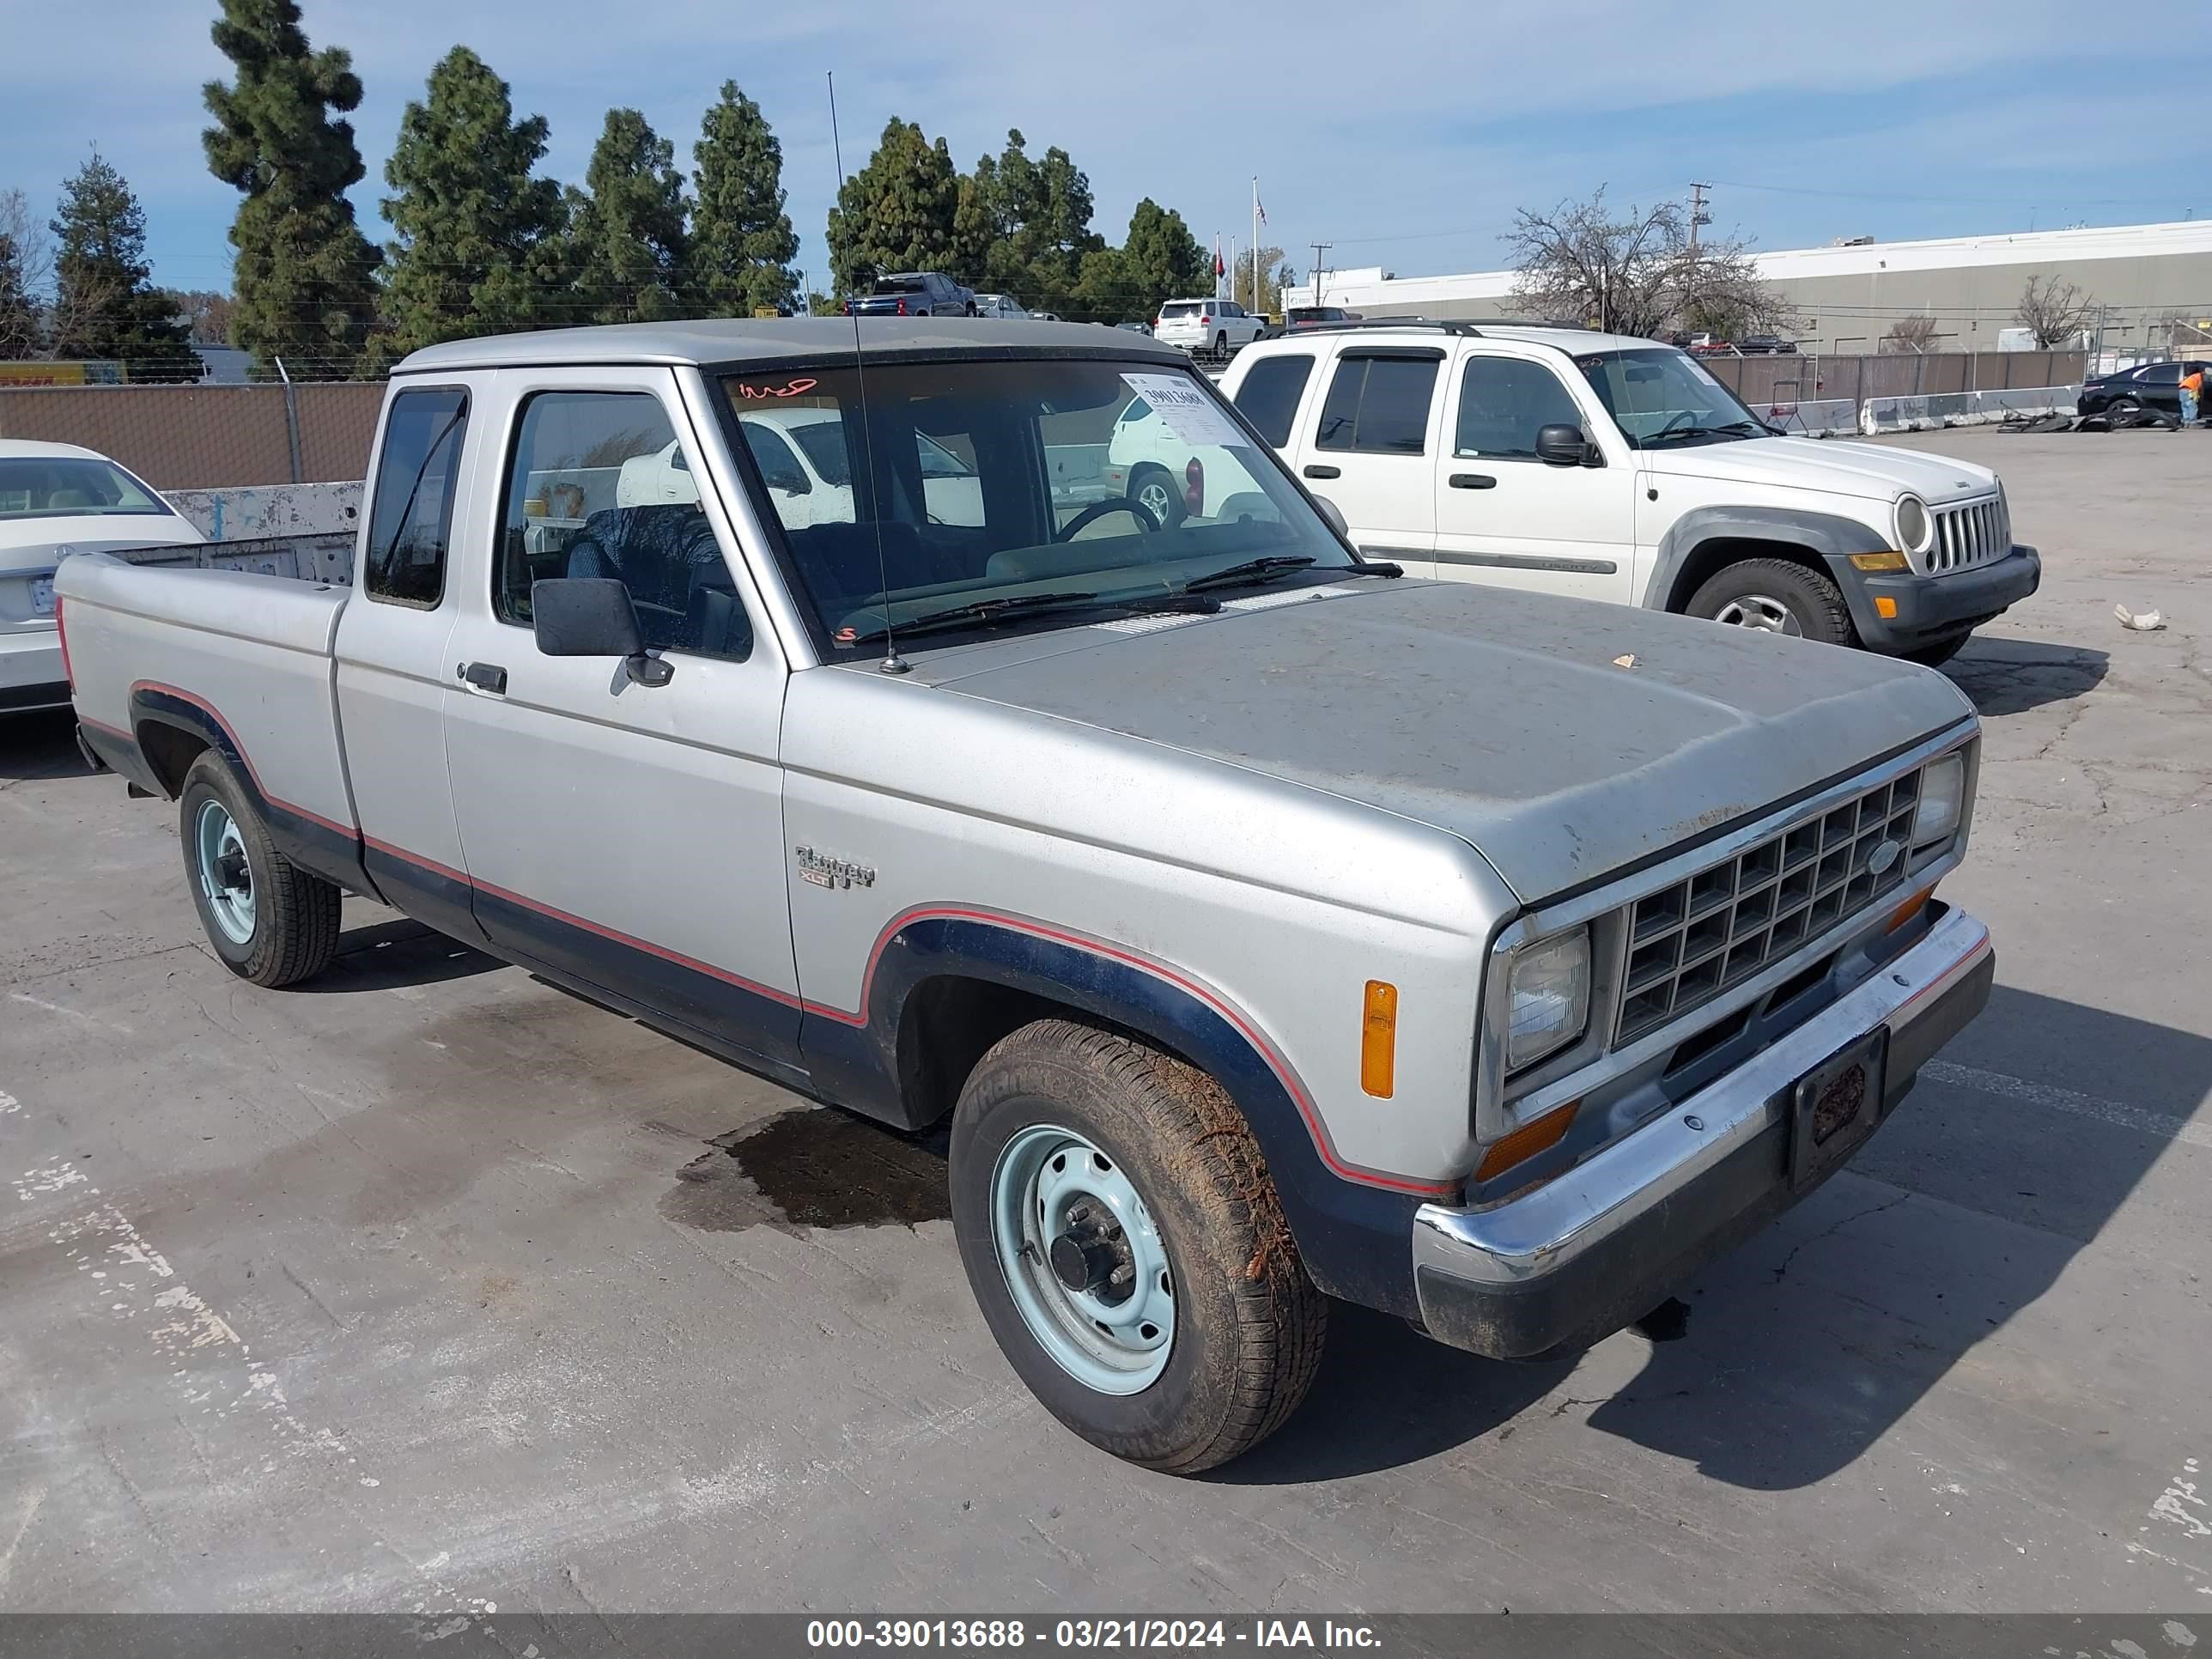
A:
[1128,1248]
[1776,597]
[269,920]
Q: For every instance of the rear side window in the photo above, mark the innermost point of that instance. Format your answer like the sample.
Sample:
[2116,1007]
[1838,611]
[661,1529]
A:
[1270,394]
[1185,309]
[412,519]
[1379,405]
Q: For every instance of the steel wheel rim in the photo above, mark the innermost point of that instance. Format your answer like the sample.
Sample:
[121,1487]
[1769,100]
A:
[1157,497]
[1045,1180]
[226,873]
[1762,611]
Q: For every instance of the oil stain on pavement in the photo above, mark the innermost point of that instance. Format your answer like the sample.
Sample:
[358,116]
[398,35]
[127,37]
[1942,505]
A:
[812,1167]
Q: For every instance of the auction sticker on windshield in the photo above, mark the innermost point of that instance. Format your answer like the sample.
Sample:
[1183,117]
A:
[1188,412]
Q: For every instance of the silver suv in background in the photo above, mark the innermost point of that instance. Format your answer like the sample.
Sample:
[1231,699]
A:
[1205,328]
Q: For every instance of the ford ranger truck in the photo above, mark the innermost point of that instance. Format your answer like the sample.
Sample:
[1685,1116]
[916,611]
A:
[1603,467]
[1271,925]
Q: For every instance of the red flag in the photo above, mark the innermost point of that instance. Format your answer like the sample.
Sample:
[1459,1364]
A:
[1220,269]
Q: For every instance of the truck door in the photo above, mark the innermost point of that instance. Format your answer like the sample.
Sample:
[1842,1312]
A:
[392,663]
[625,835]
[1372,450]
[1505,518]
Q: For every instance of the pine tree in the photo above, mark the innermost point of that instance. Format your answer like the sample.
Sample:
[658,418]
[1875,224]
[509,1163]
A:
[900,212]
[472,226]
[626,240]
[1159,260]
[741,242]
[21,329]
[305,274]
[106,304]
[1039,217]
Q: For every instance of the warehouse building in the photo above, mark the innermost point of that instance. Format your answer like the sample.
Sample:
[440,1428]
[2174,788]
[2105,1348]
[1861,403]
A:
[2151,284]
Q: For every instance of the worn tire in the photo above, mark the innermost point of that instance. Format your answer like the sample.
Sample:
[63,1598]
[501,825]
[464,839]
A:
[296,922]
[1249,1325]
[1935,656]
[1816,603]
[1174,511]
[1221,347]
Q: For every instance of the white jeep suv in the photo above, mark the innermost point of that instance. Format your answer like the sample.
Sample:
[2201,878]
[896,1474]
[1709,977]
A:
[1611,468]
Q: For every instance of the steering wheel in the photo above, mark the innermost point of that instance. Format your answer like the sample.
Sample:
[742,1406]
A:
[1674,421]
[1099,509]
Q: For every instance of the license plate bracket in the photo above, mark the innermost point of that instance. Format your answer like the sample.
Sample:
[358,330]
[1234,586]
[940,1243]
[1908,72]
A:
[42,596]
[1835,1106]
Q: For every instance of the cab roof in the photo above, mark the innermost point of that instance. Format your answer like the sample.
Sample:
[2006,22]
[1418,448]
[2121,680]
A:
[745,341]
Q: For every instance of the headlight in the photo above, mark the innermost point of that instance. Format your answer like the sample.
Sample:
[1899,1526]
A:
[1943,797]
[1914,526]
[1548,989]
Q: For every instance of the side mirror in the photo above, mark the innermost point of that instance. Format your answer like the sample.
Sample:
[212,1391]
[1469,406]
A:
[1562,446]
[1334,515]
[789,482]
[593,617]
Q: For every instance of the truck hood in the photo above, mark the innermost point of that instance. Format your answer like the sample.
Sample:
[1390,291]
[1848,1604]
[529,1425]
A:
[1842,469]
[40,543]
[1507,718]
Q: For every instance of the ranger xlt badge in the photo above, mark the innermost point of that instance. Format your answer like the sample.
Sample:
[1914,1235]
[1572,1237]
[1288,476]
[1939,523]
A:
[826,872]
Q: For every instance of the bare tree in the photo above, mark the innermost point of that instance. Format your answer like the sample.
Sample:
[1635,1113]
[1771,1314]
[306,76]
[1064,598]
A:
[1637,273]
[1918,333]
[2053,310]
[27,268]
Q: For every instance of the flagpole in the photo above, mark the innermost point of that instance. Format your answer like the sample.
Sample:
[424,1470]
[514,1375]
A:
[1258,303]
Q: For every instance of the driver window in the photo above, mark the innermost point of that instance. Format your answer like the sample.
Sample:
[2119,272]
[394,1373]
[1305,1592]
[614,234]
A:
[599,486]
[1503,403]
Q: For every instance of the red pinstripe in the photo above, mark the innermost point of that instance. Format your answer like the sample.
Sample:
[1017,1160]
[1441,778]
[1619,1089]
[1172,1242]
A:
[348,830]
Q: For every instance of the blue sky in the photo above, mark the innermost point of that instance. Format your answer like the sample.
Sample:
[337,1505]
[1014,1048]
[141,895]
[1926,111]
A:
[1407,139]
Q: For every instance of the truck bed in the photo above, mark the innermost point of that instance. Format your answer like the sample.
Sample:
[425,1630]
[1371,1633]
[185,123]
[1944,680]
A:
[224,642]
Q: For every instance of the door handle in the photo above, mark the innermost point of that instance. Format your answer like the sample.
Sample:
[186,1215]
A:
[1316,470]
[1473,481]
[486,676]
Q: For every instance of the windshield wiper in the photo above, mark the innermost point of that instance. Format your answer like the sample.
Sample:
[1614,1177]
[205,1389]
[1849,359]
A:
[1749,428]
[1252,570]
[1675,434]
[1014,606]
[1375,567]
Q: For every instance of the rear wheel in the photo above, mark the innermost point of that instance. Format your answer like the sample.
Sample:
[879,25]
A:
[1152,488]
[2122,409]
[1776,597]
[269,920]
[1221,347]
[1127,1249]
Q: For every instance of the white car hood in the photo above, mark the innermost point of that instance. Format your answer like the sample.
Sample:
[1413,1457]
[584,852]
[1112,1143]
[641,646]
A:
[40,543]
[1841,469]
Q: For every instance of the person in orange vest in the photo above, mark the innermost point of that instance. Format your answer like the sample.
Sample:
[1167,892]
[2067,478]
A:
[2192,395]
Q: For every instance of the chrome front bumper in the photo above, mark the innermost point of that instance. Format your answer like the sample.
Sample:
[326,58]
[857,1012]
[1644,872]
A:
[1600,1246]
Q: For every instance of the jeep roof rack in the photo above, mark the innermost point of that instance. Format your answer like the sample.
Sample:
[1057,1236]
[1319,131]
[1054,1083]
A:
[1446,325]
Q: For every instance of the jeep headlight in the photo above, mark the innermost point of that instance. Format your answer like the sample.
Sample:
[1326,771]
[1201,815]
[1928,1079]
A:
[1547,993]
[1915,527]
[1942,798]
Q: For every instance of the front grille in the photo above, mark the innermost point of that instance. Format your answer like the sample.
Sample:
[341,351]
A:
[1689,942]
[1972,533]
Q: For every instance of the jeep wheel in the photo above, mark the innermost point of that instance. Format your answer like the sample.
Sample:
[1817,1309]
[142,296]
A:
[269,921]
[1152,488]
[1126,1246]
[1776,597]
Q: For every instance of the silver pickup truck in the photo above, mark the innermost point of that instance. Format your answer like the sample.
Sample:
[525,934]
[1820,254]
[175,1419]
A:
[1271,926]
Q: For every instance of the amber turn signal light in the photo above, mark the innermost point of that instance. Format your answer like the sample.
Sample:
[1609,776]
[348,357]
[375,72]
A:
[1538,1135]
[1378,1039]
[1889,559]
[1909,908]
[1885,607]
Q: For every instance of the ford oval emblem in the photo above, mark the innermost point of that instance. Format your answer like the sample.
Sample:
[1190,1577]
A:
[1883,855]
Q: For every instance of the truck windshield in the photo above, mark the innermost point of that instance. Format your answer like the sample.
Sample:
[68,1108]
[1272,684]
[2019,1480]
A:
[1101,482]
[1660,398]
[71,486]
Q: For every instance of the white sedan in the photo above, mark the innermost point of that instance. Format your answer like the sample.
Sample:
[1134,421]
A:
[57,499]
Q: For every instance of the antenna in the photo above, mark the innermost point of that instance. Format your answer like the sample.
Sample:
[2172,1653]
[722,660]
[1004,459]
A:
[892,663]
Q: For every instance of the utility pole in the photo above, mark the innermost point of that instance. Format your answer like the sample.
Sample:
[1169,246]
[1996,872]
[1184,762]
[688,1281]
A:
[1319,249]
[1698,214]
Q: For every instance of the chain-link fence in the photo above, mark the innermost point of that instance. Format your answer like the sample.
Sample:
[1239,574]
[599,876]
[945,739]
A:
[204,437]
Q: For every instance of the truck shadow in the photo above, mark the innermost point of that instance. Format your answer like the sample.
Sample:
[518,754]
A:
[39,746]
[400,952]
[1807,1343]
[2010,677]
